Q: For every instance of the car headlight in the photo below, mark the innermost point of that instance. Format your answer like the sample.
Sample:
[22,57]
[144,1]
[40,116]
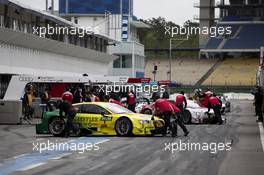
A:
[142,122]
[158,123]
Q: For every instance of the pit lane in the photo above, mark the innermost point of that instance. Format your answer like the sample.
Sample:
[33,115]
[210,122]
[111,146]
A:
[140,155]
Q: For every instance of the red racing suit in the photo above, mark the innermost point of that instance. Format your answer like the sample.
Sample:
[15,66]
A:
[67,96]
[215,103]
[162,106]
[166,109]
[181,101]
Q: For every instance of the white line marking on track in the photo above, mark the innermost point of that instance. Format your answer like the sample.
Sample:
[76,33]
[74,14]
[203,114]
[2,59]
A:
[31,166]
[261,130]
[61,156]
[103,141]
[16,157]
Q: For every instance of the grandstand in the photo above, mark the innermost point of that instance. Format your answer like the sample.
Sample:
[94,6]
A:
[235,56]
[246,19]
[234,72]
[184,71]
[246,37]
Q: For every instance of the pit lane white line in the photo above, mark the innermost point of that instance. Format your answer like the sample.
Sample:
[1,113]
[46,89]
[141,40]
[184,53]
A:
[31,166]
[21,155]
[61,156]
[261,131]
[106,140]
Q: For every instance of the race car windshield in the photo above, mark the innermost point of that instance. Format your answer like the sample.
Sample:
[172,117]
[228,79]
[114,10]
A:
[117,109]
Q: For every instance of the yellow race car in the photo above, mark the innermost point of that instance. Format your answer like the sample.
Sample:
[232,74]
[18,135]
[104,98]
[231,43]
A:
[99,118]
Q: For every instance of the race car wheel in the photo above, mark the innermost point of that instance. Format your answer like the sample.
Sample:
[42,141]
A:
[187,117]
[148,112]
[57,126]
[123,127]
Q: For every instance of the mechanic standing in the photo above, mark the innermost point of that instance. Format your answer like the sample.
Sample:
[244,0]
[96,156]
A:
[163,107]
[181,102]
[45,99]
[166,94]
[69,111]
[215,104]
[78,97]
[28,99]
[131,100]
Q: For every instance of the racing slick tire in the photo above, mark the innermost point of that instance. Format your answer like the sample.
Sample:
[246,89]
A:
[123,127]
[148,112]
[187,117]
[57,126]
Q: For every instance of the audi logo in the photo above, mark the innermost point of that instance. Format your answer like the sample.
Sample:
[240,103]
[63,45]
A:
[27,79]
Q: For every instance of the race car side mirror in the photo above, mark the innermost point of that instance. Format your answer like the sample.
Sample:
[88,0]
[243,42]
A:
[103,113]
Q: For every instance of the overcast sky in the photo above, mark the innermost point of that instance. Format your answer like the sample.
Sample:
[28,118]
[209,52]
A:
[175,10]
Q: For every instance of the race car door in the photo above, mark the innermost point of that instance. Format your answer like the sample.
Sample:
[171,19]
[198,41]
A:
[91,118]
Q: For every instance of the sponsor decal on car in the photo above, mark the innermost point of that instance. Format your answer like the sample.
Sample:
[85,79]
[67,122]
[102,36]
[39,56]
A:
[87,119]
[106,118]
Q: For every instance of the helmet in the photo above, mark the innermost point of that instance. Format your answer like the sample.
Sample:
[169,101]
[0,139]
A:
[197,92]
[67,96]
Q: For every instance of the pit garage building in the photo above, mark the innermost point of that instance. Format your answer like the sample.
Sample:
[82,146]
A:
[24,52]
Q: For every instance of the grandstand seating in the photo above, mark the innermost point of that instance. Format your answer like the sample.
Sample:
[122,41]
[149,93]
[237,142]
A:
[184,71]
[234,72]
[250,37]
[237,18]
[214,42]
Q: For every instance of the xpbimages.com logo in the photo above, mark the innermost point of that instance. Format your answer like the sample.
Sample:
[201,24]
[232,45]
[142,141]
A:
[61,30]
[117,88]
[213,147]
[81,148]
[193,30]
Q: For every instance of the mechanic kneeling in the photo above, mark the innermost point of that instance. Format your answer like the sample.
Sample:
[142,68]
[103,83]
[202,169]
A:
[216,105]
[66,107]
[163,107]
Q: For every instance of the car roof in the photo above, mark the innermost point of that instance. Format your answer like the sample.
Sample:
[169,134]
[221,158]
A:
[96,103]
